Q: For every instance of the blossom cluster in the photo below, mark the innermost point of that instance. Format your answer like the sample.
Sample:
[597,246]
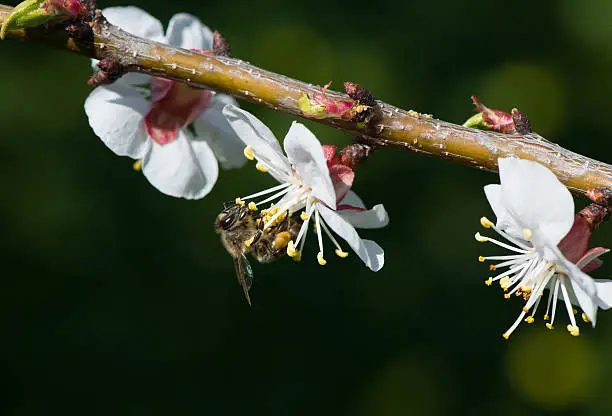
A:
[179,135]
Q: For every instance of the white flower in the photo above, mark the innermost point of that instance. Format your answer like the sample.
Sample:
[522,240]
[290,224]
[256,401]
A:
[147,118]
[305,183]
[534,213]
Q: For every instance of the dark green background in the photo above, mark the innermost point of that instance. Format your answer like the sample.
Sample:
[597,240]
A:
[115,299]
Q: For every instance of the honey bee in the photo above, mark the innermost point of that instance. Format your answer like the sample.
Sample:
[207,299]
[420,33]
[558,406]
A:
[242,232]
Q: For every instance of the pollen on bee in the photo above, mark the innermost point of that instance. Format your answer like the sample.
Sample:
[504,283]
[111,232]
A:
[480,238]
[281,240]
[261,167]
[239,201]
[527,234]
[573,330]
[481,259]
[248,153]
[304,216]
[249,242]
[137,166]
[486,223]
[252,206]
[321,260]
[341,254]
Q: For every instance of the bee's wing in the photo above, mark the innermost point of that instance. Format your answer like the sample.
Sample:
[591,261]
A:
[244,273]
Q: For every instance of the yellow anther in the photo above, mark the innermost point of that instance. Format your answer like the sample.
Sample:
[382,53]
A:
[480,238]
[529,319]
[261,167]
[525,309]
[481,259]
[137,166]
[575,311]
[292,252]
[506,335]
[304,216]
[486,223]
[492,267]
[248,153]
[281,240]
[252,206]
[549,326]
[249,242]
[507,295]
[489,281]
[546,317]
[341,254]
[239,201]
[505,283]
[527,234]
[585,318]
[321,260]
[574,330]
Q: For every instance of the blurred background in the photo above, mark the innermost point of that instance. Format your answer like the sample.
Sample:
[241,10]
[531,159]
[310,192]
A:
[115,299]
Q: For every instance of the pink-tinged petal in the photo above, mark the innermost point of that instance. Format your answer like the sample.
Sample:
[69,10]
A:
[376,217]
[185,168]
[368,251]
[116,117]
[604,293]
[174,108]
[305,153]
[214,126]
[342,179]
[575,243]
[590,261]
[329,151]
[536,199]
[160,87]
[187,32]
[136,21]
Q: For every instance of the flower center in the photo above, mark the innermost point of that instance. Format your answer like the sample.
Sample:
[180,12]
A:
[173,107]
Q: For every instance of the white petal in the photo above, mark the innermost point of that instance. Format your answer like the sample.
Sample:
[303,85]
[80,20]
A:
[504,220]
[535,198]
[136,21]
[368,251]
[376,217]
[586,302]
[254,133]
[306,155]
[116,116]
[186,31]
[604,293]
[222,138]
[183,168]
[352,199]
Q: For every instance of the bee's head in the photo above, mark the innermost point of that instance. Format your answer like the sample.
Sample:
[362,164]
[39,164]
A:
[230,216]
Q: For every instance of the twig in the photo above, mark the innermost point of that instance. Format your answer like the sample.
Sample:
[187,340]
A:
[396,127]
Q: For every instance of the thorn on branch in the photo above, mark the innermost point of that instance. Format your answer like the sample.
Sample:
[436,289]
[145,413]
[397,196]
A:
[220,46]
[109,72]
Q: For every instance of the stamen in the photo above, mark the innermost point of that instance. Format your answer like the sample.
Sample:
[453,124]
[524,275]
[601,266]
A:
[527,233]
[568,304]
[252,206]
[499,243]
[304,216]
[585,318]
[554,304]
[137,166]
[320,238]
[321,260]
[267,191]
[248,153]
[489,281]
[296,255]
[341,254]
[486,223]
[261,167]
[480,238]
[514,325]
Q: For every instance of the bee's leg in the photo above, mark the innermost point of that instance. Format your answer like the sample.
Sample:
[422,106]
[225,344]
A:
[256,237]
[283,226]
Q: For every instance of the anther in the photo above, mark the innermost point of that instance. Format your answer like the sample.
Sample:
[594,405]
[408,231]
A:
[304,215]
[252,206]
[296,255]
[321,260]
[507,296]
[506,335]
[261,167]
[529,319]
[573,330]
[549,325]
[137,166]
[239,201]
[527,234]
[489,281]
[486,223]
[248,153]
[341,254]
[492,267]
[585,318]
[546,317]
[481,259]
[480,238]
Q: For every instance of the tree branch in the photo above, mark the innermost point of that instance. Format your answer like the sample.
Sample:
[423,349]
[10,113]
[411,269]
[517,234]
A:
[396,127]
